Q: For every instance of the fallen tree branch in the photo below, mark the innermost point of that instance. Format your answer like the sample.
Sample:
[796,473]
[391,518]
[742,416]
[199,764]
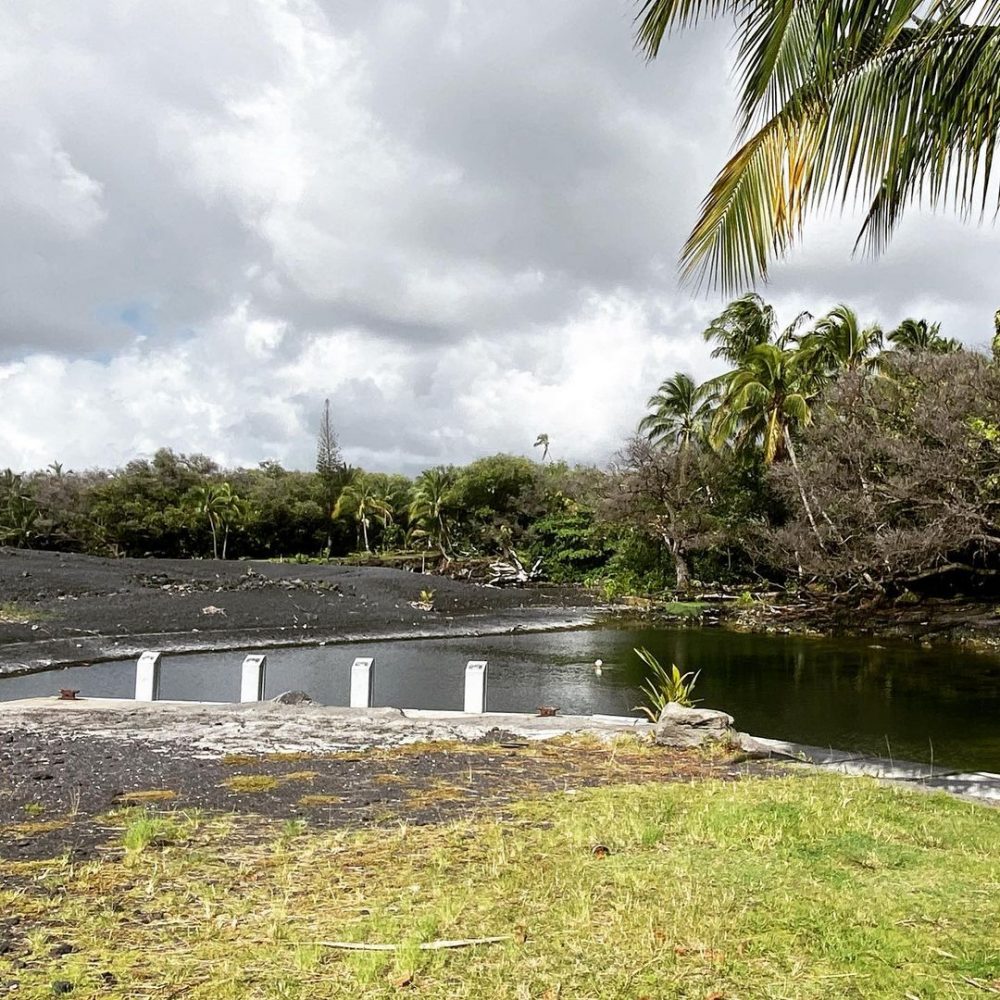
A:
[424,946]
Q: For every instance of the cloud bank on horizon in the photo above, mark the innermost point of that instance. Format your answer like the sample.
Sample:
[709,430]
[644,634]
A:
[457,220]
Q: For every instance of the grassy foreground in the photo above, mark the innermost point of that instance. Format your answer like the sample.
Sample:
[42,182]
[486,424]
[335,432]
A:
[800,887]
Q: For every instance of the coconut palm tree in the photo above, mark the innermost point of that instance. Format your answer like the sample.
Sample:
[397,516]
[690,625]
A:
[432,498]
[542,441]
[364,498]
[838,342]
[746,323]
[919,336]
[886,101]
[764,399]
[679,413]
[223,508]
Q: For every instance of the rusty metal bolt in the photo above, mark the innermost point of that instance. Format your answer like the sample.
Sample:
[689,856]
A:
[68,694]
[547,711]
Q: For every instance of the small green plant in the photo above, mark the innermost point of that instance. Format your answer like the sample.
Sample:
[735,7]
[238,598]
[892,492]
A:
[664,686]
[745,600]
[146,830]
[426,602]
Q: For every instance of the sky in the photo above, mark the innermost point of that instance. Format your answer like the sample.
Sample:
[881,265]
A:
[458,220]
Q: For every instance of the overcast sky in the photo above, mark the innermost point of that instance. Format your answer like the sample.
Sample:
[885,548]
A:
[457,219]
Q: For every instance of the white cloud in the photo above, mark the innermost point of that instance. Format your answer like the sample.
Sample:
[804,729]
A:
[461,231]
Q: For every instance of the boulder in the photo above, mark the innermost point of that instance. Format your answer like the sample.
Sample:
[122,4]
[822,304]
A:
[691,727]
[292,698]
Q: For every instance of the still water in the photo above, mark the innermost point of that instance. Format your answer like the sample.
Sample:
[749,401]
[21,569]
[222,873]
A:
[882,696]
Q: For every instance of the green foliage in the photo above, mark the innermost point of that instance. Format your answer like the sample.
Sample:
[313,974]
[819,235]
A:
[570,540]
[664,687]
[146,830]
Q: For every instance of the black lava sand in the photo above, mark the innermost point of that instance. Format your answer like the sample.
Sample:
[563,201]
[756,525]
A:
[56,791]
[70,608]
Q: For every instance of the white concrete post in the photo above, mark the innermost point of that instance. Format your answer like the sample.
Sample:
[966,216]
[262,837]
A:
[475,686]
[363,682]
[147,677]
[252,678]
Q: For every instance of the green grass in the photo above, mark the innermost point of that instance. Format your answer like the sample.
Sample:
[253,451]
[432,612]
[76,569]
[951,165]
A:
[685,609]
[13,613]
[802,887]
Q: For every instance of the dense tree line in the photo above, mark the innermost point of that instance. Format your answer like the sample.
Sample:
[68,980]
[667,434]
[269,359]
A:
[187,506]
[830,454]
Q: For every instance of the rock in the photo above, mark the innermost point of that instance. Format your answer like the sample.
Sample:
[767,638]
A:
[292,698]
[691,727]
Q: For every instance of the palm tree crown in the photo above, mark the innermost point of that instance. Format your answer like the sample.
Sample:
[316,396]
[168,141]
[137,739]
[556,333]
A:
[885,100]
[762,400]
[917,335]
[746,323]
[679,412]
[838,342]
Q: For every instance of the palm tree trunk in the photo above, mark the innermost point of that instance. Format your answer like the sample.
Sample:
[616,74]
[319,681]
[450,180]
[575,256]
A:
[364,528]
[790,448]
[215,540]
[225,541]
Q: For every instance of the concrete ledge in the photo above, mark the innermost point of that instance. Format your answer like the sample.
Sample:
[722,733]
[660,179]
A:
[980,785]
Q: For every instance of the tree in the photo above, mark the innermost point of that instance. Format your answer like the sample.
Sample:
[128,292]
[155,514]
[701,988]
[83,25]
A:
[431,507]
[917,335]
[18,511]
[763,400]
[364,500]
[679,413]
[660,494]
[885,100]
[838,343]
[222,508]
[542,441]
[748,322]
[331,473]
[907,473]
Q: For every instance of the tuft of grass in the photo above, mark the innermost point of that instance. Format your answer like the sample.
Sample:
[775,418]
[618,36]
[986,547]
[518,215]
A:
[300,776]
[248,783]
[33,808]
[240,760]
[147,830]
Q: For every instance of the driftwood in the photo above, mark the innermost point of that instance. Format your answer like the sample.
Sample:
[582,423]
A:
[511,571]
[424,946]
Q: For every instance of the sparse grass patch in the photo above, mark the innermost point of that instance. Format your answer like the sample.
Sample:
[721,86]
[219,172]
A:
[685,609]
[13,613]
[240,759]
[39,826]
[300,776]
[320,800]
[148,795]
[437,791]
[812,887]
[248,783]
[33,808]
